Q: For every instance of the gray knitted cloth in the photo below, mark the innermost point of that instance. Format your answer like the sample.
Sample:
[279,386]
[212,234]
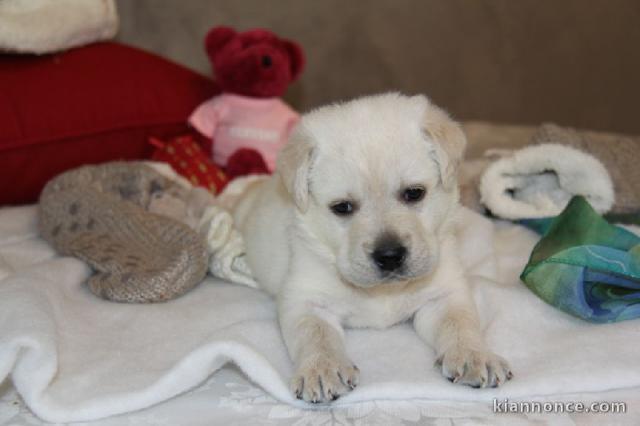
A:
[101,214]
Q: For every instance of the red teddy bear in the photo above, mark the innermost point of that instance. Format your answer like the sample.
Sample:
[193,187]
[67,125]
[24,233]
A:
[248,123]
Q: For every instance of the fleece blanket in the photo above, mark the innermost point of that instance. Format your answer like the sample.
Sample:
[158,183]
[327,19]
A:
[75,357]
[46,26]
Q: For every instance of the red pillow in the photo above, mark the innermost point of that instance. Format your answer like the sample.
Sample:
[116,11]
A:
[88,105]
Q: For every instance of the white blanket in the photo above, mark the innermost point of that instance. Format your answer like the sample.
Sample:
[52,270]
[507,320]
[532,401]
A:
[75,357]
[46,26]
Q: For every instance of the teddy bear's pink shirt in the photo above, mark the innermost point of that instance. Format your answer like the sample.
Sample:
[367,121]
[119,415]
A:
[235,122]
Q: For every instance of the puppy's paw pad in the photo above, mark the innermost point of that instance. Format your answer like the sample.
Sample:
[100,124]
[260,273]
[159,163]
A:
[324,379]
[477,369]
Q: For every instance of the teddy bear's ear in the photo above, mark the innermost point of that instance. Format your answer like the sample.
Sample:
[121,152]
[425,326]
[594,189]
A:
[216,38]
[296,56]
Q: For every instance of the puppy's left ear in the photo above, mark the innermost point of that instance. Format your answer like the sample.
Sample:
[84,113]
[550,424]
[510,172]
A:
[293,166]
[449,143]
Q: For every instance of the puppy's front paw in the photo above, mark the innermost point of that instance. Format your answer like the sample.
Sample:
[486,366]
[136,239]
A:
[477,369]
[324,378]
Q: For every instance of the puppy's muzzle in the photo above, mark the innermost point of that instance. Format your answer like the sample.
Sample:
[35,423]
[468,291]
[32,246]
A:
[389,254]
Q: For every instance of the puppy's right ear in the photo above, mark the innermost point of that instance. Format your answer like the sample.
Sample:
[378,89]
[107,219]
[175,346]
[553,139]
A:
[293,165]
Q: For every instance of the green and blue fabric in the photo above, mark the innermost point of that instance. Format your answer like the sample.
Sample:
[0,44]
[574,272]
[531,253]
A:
[585,266]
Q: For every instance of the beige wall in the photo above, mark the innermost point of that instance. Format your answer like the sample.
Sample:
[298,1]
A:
[575,62]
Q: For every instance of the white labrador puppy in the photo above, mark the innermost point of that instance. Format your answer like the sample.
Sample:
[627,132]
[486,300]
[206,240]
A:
[356,229]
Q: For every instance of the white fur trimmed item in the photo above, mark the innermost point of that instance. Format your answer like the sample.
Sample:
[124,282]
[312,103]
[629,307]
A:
[45,26]
[538,181]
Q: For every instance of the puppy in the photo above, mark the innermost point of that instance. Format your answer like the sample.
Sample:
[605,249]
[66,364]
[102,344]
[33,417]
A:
[356,229]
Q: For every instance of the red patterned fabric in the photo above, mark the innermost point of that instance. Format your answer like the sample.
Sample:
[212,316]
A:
[186,157]
[88,105]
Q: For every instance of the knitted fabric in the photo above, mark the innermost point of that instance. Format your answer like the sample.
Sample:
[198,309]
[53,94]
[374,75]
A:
[104,215]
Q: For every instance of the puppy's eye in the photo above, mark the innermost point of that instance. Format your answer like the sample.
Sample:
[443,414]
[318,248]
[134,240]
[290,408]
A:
[413,194]
[342,208]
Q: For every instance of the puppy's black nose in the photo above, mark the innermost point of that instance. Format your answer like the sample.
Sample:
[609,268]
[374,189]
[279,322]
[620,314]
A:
[389,256]
[266,61]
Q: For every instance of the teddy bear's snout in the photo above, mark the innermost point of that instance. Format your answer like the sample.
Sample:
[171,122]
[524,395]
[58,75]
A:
[267,61]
